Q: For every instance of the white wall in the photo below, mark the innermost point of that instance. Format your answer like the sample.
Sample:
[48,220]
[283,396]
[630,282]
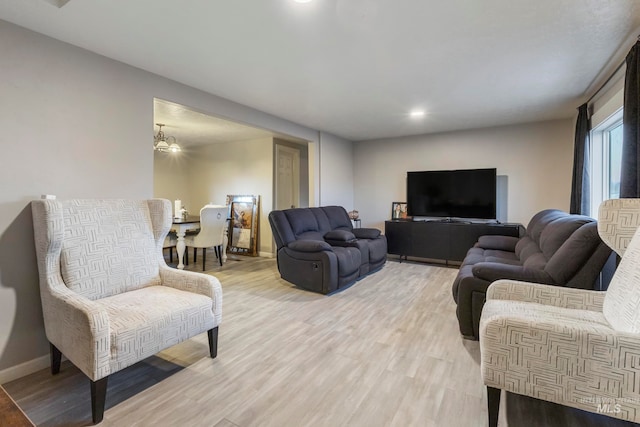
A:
[77,125]
[336,170]
[537,158]
[170,179]
[235,168]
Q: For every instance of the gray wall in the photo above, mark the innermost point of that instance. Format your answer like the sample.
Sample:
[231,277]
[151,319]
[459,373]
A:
[74,124]
[336,170]
[537,159]
[240,168]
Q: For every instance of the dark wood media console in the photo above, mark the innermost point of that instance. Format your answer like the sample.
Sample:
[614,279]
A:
[441,240]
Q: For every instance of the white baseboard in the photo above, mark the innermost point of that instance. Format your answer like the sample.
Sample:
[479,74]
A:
[23,369]
[265,254]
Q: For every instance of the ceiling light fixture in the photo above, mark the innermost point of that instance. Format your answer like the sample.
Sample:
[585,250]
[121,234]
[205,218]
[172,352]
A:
[164,143]
[417,114]
[302,1]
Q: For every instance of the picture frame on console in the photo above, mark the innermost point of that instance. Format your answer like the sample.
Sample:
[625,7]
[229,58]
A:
[399,211]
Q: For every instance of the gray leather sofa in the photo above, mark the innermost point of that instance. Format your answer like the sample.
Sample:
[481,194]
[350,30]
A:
[319,250]
[557,249]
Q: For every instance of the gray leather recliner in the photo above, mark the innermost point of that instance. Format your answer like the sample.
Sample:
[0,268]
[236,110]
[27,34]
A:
[319,250]
[557,249]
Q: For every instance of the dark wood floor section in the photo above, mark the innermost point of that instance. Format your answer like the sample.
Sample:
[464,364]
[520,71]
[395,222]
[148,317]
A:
[384,352]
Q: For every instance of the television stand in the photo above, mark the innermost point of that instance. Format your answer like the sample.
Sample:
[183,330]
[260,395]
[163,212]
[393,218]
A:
[441,239]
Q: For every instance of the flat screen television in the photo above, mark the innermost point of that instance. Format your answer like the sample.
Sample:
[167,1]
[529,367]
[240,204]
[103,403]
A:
[464,193]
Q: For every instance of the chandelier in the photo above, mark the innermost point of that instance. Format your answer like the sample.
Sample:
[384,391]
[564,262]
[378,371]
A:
[164,143]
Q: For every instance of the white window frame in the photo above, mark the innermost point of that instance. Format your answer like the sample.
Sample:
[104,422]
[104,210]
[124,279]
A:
[599,154]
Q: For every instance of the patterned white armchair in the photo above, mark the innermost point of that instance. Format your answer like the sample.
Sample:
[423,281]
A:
[569,346]
[108,298]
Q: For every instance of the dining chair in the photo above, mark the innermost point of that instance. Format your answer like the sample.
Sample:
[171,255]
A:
[213,222]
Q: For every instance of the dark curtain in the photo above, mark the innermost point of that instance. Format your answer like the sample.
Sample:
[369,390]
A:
[580,182]
[629,178]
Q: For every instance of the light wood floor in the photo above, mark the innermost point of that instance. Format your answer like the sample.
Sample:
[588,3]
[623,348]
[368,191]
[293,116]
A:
[384,352]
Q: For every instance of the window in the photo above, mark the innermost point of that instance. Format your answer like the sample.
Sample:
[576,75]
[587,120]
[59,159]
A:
[613,135]
[606,160]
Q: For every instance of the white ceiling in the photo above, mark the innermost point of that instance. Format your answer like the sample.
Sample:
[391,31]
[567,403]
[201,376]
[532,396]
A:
[357,67]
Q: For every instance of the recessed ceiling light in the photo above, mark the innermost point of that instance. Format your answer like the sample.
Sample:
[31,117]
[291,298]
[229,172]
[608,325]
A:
[417,113]
[302,1]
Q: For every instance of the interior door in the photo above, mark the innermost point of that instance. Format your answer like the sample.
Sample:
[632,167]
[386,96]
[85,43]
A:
[287,184]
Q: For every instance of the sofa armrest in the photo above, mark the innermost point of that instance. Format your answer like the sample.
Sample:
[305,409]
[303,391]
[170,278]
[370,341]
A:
[339,236]
[309,246]
[366,233]
[198,283]
[74,324]
[492,271]
[557,296]
[501,243]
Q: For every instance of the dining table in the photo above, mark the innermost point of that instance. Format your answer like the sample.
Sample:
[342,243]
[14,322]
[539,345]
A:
[180,226]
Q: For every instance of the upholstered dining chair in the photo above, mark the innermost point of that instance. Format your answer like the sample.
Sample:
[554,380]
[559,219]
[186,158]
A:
[213,223]
[573,347]
[108,298]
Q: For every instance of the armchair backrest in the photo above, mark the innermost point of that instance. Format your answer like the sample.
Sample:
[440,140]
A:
[213,222]
[98,248]
[618,222]
[307,223]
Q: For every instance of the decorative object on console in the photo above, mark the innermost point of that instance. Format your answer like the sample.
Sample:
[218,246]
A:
[399,210]
[164,143]
[557,249]
[573,347]
[354,214]
[243,224]
[319,250]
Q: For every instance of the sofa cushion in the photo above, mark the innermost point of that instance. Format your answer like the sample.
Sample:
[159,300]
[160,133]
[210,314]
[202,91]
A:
[309,246]
[491,272]
[301,221]
[558,231]
[349,260]
[502,243]
[377,249]
[145,321]
[339,236]
[540,220]
[569,258]
[525,248]
[338,217]
[366,233]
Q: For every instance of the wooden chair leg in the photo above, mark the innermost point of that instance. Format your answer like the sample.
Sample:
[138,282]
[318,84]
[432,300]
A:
[171,254]
[98,399]
[195,255]
[212,334]
[219,253]
[56,357]
[204,257]
[493,405]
